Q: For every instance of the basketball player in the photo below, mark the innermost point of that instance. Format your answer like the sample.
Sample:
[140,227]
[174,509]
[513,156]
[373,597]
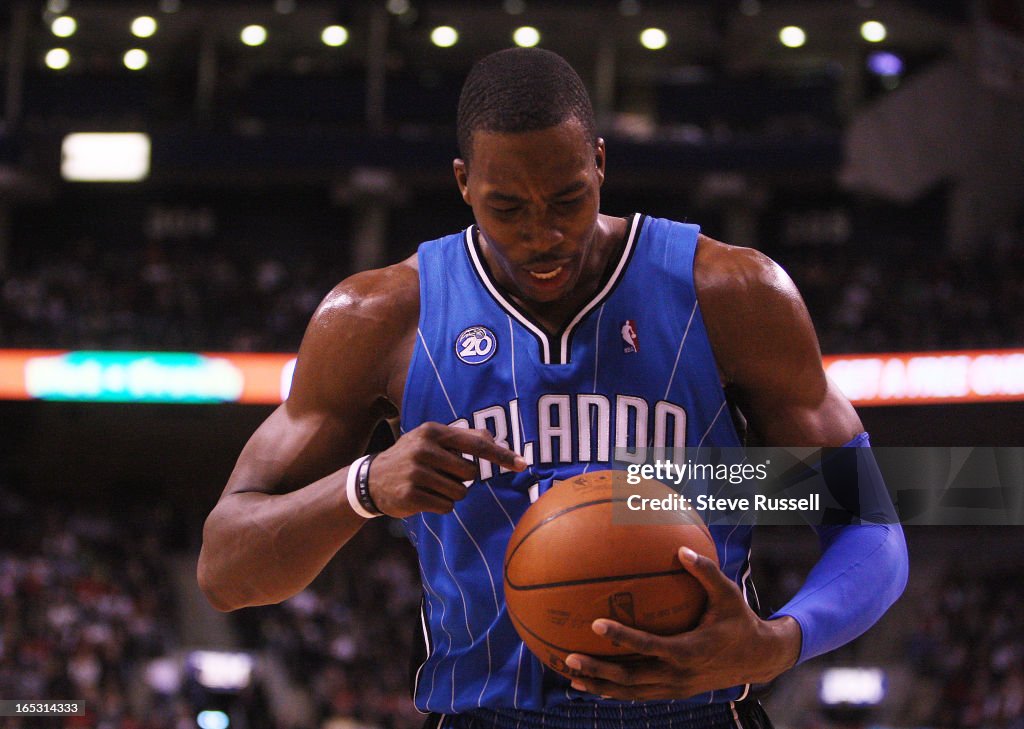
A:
[531,342]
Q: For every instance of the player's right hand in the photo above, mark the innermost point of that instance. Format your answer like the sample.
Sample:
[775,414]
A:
[425,469]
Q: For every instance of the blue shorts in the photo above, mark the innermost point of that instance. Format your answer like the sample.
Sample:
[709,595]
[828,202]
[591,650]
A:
[594,715]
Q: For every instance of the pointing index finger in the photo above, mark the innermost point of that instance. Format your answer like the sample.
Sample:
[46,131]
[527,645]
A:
[480,443]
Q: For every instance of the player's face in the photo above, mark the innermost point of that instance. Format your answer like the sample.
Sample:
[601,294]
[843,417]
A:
[535,197]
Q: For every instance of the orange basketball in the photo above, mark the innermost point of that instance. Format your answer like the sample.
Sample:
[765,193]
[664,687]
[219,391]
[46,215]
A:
[570,562]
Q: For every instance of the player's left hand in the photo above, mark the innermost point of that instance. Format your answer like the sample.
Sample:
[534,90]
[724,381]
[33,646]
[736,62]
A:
[730,646]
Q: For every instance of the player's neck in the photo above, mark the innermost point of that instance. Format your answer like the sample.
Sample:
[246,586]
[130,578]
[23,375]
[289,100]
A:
[554,315]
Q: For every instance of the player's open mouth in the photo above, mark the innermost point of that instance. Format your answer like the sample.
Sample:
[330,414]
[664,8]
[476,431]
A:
[546,276]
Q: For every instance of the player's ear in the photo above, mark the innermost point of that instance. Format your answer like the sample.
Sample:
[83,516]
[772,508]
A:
[461,170]
[599,158]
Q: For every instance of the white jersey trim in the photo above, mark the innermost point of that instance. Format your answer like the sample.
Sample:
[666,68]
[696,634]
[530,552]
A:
[429,650]
[555,349]
[499,297]
[603,293]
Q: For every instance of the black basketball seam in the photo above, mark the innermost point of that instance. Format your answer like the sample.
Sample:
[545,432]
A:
[549,517]
[566,510]
[591,580]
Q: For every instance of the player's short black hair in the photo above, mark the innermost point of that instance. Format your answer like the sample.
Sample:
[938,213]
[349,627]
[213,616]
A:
[521,90]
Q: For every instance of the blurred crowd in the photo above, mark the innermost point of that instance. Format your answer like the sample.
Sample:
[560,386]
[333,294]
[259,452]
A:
[209,298]
[162,297]
[915,298]
[353,661]
[91,611]
[969,644]
[86,602]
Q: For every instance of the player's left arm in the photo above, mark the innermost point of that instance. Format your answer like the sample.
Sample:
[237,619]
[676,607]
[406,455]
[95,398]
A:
[768,354]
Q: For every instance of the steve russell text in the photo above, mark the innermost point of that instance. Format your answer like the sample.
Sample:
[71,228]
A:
[705,502]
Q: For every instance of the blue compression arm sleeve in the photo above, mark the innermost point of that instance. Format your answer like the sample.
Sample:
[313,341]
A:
[862,571]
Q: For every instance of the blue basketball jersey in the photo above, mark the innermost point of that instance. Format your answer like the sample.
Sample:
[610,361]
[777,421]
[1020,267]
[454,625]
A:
[632,369]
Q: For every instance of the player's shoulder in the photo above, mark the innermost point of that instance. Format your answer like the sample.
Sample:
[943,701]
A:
[752,310]
[387,296]
[739,275]
[358,338]
[370,311]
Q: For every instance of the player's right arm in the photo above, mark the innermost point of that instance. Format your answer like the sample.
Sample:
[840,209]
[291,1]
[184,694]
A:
[284,512]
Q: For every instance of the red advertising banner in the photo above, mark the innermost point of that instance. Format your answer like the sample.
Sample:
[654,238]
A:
[208,377]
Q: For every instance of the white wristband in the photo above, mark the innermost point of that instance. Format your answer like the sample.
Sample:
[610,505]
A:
[350,489]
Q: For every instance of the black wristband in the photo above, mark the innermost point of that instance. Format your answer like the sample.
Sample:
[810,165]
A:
[363,486]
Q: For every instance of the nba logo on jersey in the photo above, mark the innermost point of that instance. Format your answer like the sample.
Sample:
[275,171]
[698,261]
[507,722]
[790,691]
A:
[476,345]
[630,339]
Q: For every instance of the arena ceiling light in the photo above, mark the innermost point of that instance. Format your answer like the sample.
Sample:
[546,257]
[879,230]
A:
[254,35]
[212,719]
[136,59]
[854,686]
[105,157]
[653,39]
[873,31]
[221,670]
[792,36]
[444,36]
[884,63]
[334,35]
[514,7]
[526,36]
[64,26]
[57,59]
[144,26]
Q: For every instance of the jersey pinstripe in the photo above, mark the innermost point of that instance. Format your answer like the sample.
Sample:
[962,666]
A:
[632,369]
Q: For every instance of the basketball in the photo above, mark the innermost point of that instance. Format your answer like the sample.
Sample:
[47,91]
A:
[570,562]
